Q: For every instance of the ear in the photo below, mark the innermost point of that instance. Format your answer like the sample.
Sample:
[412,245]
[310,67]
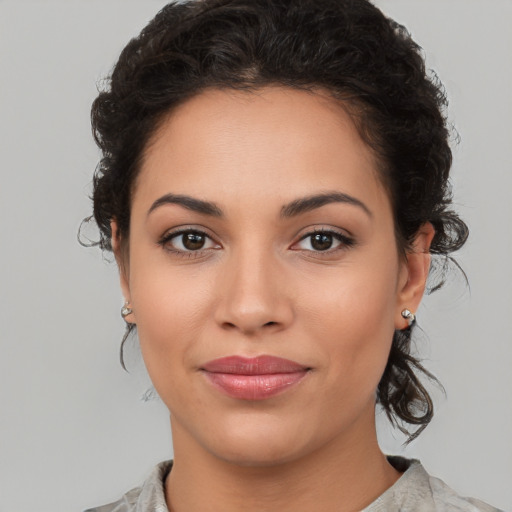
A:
[414,274]
[123,266]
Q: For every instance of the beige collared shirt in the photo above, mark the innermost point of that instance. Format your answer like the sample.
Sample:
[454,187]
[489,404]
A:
[414,491]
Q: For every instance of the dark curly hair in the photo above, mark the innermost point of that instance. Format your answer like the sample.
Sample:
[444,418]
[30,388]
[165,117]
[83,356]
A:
[348,48]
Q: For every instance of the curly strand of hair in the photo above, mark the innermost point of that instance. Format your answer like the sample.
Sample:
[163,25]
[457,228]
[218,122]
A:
[130,328]
[400,391]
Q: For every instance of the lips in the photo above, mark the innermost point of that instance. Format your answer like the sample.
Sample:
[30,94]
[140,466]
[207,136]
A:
[255,378]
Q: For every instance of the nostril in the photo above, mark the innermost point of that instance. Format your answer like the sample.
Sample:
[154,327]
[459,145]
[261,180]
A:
[271,323]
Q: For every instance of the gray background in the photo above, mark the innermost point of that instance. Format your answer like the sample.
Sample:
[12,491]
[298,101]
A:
[74,431]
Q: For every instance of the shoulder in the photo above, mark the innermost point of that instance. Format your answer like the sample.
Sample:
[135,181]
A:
[149,497]
[445,498]
[127,503]
[417,491]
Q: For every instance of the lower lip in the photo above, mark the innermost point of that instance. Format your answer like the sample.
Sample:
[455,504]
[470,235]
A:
[254,387]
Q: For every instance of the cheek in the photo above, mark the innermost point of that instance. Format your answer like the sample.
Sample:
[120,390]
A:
[171,312]
[352,319]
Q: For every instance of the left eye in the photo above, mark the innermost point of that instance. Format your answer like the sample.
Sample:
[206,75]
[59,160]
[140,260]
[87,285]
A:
[322,241]
[188,241]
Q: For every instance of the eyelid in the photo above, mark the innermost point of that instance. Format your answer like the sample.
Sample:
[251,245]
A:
[186,228]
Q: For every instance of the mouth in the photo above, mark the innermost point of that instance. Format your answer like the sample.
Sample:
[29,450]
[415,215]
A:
[255,378]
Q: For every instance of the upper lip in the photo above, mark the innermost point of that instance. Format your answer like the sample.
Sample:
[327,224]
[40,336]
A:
[261,365]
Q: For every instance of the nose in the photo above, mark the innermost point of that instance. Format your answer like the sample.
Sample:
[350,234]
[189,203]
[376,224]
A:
[253,294]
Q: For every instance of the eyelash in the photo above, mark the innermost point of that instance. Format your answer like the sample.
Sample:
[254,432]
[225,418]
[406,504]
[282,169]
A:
[345,242]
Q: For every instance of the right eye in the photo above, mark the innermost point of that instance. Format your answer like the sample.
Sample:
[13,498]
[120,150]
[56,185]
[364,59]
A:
[188,241]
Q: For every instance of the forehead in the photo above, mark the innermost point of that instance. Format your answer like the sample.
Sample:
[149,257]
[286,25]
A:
[276,142]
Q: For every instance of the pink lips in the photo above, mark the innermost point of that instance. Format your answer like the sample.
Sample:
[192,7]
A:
[255,378]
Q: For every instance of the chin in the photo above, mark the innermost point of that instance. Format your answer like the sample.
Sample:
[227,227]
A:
[258,455]
[261,444]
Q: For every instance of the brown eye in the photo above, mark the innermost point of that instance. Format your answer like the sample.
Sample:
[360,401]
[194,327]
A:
[188,241]
[193,241]
[321,241]
[324,241]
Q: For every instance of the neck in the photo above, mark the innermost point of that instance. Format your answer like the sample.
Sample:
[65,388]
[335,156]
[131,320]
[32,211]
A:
[346,474]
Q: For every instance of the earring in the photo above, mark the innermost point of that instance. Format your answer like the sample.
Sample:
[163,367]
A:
[126,310]
[409,316]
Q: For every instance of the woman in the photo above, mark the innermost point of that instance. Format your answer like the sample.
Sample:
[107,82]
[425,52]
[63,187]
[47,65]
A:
[273,184]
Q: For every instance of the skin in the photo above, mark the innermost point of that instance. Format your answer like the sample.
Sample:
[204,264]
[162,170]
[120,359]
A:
[259,286]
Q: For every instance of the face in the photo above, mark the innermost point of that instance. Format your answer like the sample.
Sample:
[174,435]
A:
[263,274]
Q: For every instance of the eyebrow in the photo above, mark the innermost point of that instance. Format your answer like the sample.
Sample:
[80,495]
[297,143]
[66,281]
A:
[292,209]
[306,204]
[190,203]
